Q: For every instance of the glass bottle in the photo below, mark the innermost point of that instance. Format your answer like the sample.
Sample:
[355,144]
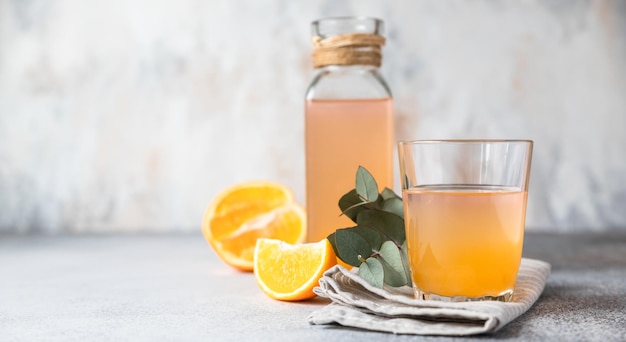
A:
[348,118]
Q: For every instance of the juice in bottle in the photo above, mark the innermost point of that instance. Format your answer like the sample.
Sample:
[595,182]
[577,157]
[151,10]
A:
[340,136]
[464,240]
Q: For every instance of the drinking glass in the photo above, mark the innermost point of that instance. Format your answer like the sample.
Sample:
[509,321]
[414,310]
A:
[464,211]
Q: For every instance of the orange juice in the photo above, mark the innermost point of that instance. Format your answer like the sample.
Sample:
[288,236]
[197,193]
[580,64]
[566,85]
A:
[340,136]
[464,241]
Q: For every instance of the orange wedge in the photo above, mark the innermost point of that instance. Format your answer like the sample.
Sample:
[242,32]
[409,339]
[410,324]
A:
[241,214]
[290,272]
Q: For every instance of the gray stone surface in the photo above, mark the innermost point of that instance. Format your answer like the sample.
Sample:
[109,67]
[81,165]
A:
[173,287]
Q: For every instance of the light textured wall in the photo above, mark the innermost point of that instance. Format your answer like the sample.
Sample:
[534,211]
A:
[131,115]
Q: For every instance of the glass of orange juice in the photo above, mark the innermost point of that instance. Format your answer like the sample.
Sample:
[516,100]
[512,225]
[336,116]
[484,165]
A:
[464,213]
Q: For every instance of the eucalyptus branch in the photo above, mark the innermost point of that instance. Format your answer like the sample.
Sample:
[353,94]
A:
[368,204]
[379,233]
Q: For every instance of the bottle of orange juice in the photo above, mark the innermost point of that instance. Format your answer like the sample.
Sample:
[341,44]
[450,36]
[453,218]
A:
[348,119]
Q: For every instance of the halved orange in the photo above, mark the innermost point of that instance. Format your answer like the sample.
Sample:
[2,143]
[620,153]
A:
[290,272]
[241,214]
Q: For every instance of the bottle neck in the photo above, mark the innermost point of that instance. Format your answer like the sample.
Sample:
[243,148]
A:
[348,50]
[348,81]
[351,68]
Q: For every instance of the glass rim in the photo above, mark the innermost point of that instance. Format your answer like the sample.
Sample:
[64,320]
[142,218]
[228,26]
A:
[333,26]
[347,18]
[463,141]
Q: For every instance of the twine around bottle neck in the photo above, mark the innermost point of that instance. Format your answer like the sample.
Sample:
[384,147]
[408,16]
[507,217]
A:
[348,49]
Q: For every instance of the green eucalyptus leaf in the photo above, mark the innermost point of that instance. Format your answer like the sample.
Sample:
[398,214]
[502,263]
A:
[372,271]
[379,203]
[391,259]
[394,206]
[351,245]
[377,244]
[366,186]
[351,204]
[405,262]
[388,194]
[372,236]
[391,226]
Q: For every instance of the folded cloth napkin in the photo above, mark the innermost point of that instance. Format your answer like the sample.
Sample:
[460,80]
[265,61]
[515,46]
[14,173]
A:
[355,303]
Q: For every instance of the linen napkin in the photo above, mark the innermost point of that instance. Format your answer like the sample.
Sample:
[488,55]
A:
[355,303]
